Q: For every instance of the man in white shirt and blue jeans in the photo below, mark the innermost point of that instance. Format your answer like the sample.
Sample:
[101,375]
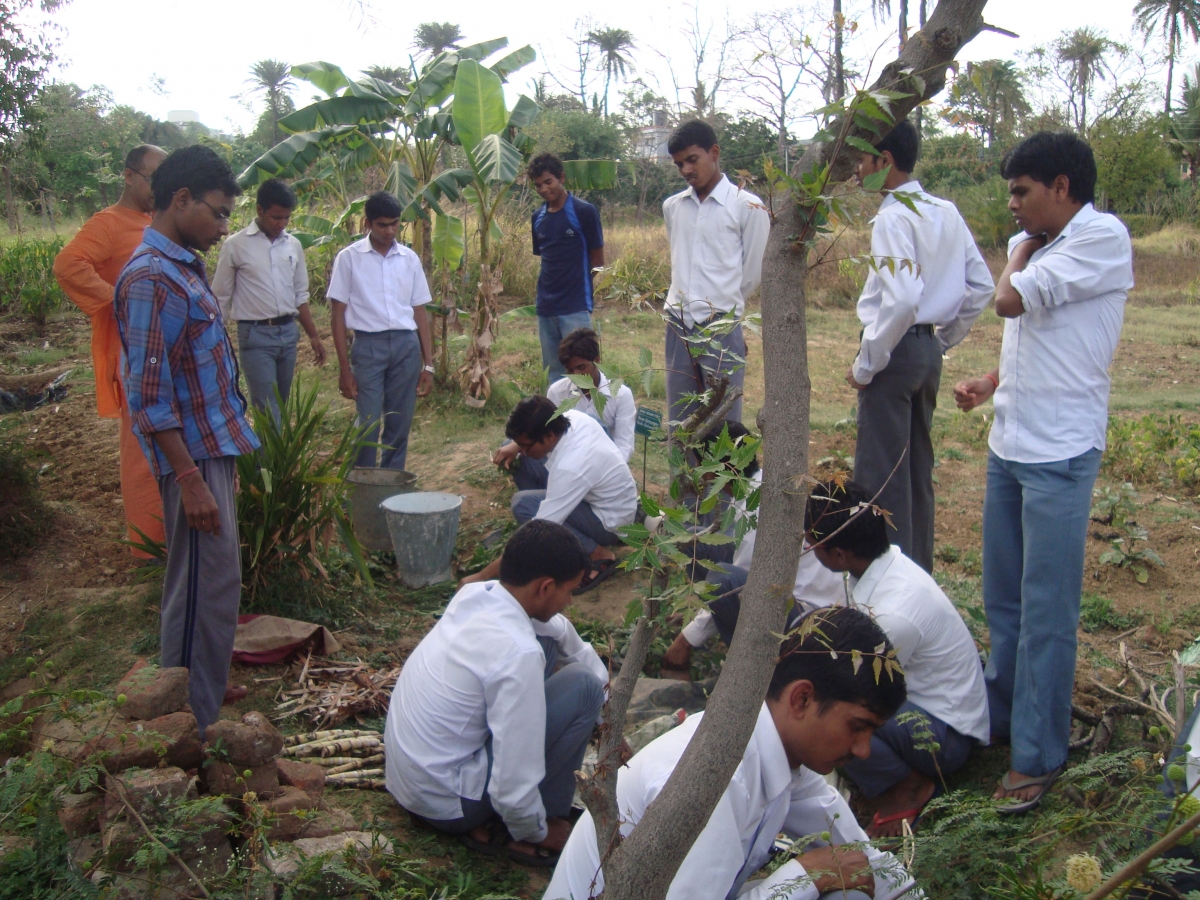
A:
[928,286]
[378,289]
[493,711]
[1063,295]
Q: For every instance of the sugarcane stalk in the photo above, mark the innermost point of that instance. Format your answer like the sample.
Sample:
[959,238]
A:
[353,777]
[316,736]
[330,748]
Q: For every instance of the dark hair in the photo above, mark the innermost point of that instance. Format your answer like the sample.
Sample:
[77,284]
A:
[582,342]
[135,157]
[275,192]
[821,650]
[381,205]
[737,431]
[1046,155]
[692,134]
[830,507]
[542,549]
[197,168]
[531,420]
[903,143]
[543,163]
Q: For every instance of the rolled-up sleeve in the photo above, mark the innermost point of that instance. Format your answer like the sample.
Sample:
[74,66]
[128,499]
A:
[154,320]
[516,717]
[1098,263]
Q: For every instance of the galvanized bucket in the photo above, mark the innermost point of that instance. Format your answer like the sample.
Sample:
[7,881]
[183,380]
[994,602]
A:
[424,527]
[370,488]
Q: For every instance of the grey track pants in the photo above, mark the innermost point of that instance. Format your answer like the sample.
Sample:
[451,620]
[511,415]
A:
[201,590]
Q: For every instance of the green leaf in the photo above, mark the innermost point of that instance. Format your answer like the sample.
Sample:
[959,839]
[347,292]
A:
[448,241]
[569,403]
[716,538]
[523,113]
[326,76]
[344,110]
[859,144]
[496,160]
[290,157]
[479,110]
[590,174]
[518,59]
[520,312]
[482,50]
[874,181]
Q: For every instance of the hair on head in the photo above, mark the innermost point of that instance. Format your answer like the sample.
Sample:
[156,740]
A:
[692,134]
[381,205]
[904,143]
[275,192]
[543,163]
[1046,155]
[197,168]
[531,419]
[582,342]
[820,650]
[737,433]
[136,156]
[542,549]
[841,516]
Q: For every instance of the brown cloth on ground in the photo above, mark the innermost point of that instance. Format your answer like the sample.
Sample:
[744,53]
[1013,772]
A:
[270,639]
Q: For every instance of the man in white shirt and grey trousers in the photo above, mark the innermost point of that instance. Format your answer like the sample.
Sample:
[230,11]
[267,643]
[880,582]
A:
[1063,295]
[927,287]
[493,711]
[261,283]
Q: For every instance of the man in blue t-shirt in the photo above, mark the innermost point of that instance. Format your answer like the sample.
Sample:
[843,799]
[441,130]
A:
[568,237]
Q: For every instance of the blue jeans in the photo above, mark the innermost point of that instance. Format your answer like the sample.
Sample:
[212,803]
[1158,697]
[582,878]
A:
[387,367]
[585,524]
[1035,521]
[551,331]
[894,754]
[268,358]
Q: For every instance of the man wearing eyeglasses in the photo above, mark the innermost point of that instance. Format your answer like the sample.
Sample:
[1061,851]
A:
[181,379]
[86,269]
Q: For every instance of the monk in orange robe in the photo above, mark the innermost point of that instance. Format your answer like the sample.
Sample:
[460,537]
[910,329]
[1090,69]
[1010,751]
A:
[87,268]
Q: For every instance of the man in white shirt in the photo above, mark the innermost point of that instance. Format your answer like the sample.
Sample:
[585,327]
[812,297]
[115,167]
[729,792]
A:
[589,487]
[378,289]
[929,287]
[483,722]
[939,657]
[718,234]
[261,283]
[819,713]
[1063,295]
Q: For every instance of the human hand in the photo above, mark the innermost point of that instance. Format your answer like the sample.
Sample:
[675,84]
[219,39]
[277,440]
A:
[199,505]
[348,385]
[839,869]
[852,381]
[1025,249]
[505,456]
[425,384]
[318,350]
[973,392]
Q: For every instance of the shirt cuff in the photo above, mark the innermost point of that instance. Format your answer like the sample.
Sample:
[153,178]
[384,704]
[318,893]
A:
[160,417]
[861,375]
[1025,284]
[790,880]
[700,629]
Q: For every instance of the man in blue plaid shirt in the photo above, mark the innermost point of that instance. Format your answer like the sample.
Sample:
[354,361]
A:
[181,380]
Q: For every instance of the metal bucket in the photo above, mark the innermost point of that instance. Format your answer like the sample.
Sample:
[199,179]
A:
[424,527]
[370,488]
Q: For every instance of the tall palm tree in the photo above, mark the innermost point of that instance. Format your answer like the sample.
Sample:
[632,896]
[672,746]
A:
[1175,18]
[1184,129]
[397,78]
[1084,51]
[1001,95]
[273,78]
[614,45]
[434,37]
[882,8]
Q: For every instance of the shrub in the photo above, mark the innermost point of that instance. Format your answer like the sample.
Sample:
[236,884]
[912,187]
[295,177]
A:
[1155,448]
[23,516]
[985,207]
[27,282]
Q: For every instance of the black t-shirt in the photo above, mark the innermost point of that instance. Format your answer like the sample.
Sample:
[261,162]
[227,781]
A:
[564,240]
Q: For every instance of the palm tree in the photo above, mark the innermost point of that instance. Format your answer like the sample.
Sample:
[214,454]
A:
[999,93]
[397,78]
[1084,51]
[883,8]
[274,79]
[614,45]
[1174,17]
[1184,128]
[434,37]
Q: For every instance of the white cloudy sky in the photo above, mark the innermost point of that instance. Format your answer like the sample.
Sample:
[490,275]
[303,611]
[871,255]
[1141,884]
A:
[202,52]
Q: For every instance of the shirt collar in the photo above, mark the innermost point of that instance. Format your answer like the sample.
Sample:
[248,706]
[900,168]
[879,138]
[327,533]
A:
[1086,213]
[912,186]
[863,588]
[168,247]
[364,246]
[777,774]
[720,193]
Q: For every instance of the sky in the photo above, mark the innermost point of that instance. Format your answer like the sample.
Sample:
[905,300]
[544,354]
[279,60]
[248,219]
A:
[197,57]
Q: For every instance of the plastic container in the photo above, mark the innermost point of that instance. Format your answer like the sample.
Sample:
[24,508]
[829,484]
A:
[424,527]
[370,488]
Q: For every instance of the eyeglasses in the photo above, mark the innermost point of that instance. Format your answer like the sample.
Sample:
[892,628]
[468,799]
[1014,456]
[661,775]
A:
[140,175]
[221,216]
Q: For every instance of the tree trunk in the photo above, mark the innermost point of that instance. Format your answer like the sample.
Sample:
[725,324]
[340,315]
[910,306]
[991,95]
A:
[645,863]
[839,69]
[903,24]
[10,208]
[1172,44]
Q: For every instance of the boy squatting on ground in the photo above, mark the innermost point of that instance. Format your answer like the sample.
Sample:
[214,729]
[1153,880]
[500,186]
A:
[933,646]
[589,487]
[819,714]
[483,722]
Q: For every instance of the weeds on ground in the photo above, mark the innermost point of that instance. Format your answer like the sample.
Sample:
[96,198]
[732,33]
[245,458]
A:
[1157,449]
[27,282]
[1096,613]
[23,516]
[1128,544]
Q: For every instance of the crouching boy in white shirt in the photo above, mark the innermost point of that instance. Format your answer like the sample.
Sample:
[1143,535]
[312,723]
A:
[483,723]
[819,713]
[939,657]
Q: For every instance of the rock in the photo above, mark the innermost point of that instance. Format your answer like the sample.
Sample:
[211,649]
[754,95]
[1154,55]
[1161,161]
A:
[81,851]
[326,822]
[252,742]
[173,737]
[79,814]
[149,792]
[306,776]
[296,814]
[223,779]
[653,697]
[284,859]
[69,739]
[151,692]
[181,735]
[120,840]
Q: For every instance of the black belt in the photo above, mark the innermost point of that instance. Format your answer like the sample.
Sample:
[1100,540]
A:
[920,329]
[278,320]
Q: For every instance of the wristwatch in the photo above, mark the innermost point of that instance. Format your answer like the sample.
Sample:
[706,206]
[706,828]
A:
[429,369]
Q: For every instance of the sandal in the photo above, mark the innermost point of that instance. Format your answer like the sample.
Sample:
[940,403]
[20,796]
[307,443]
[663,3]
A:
[540,858]
[601,569]
[915,814]
[496,844]
[1045,782]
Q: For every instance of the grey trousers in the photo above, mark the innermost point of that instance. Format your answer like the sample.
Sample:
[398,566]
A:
[387,367]
[894,754]
[894,410]
[582,521]
[202,588]
[725,354]
[268,358]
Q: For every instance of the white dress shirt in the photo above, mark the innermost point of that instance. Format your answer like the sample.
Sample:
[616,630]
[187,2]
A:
[586,465]
[716,251]
[764,797]
[1052,403]
[933,646]
[379,291]
[620,412]
[930,272]
[478,673]
[259,278]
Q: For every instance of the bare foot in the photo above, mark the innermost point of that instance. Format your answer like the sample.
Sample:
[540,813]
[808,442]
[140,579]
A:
[677,661]
[234,693]
[602,553]
[908,796]
[1025,793]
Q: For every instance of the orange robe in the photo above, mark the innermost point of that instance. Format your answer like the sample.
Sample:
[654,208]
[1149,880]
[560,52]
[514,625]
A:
[87,269]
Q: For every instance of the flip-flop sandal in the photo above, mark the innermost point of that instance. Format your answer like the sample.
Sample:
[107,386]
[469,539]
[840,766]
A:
[601,569]
[496,844]
[1045,782]
[915,813]
[540,858]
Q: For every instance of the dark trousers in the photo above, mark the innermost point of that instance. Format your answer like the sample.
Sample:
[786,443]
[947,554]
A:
[898,748]
[729,581]
[718,355]
[895,410]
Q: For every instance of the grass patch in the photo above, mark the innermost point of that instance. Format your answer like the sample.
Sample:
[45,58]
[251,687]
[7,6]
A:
[1096,613]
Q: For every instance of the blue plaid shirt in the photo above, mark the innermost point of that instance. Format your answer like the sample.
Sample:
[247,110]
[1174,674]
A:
[179,367]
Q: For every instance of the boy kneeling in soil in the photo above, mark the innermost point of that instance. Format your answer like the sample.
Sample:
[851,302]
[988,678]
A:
[939,657]
[820,711]
[484,731]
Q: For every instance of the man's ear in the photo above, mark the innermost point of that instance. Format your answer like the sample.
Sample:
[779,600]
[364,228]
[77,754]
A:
[716,152]
[801,698]
[1061,187]
[181,199]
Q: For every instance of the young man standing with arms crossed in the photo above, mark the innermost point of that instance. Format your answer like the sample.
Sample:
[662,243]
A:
[378,289]
[568,237]
[929,287]
[87,269]
[1063,296]
[718,234]
[262,285]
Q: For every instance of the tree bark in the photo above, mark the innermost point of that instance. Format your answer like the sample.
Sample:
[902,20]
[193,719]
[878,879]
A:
[645,863]
[839,68]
